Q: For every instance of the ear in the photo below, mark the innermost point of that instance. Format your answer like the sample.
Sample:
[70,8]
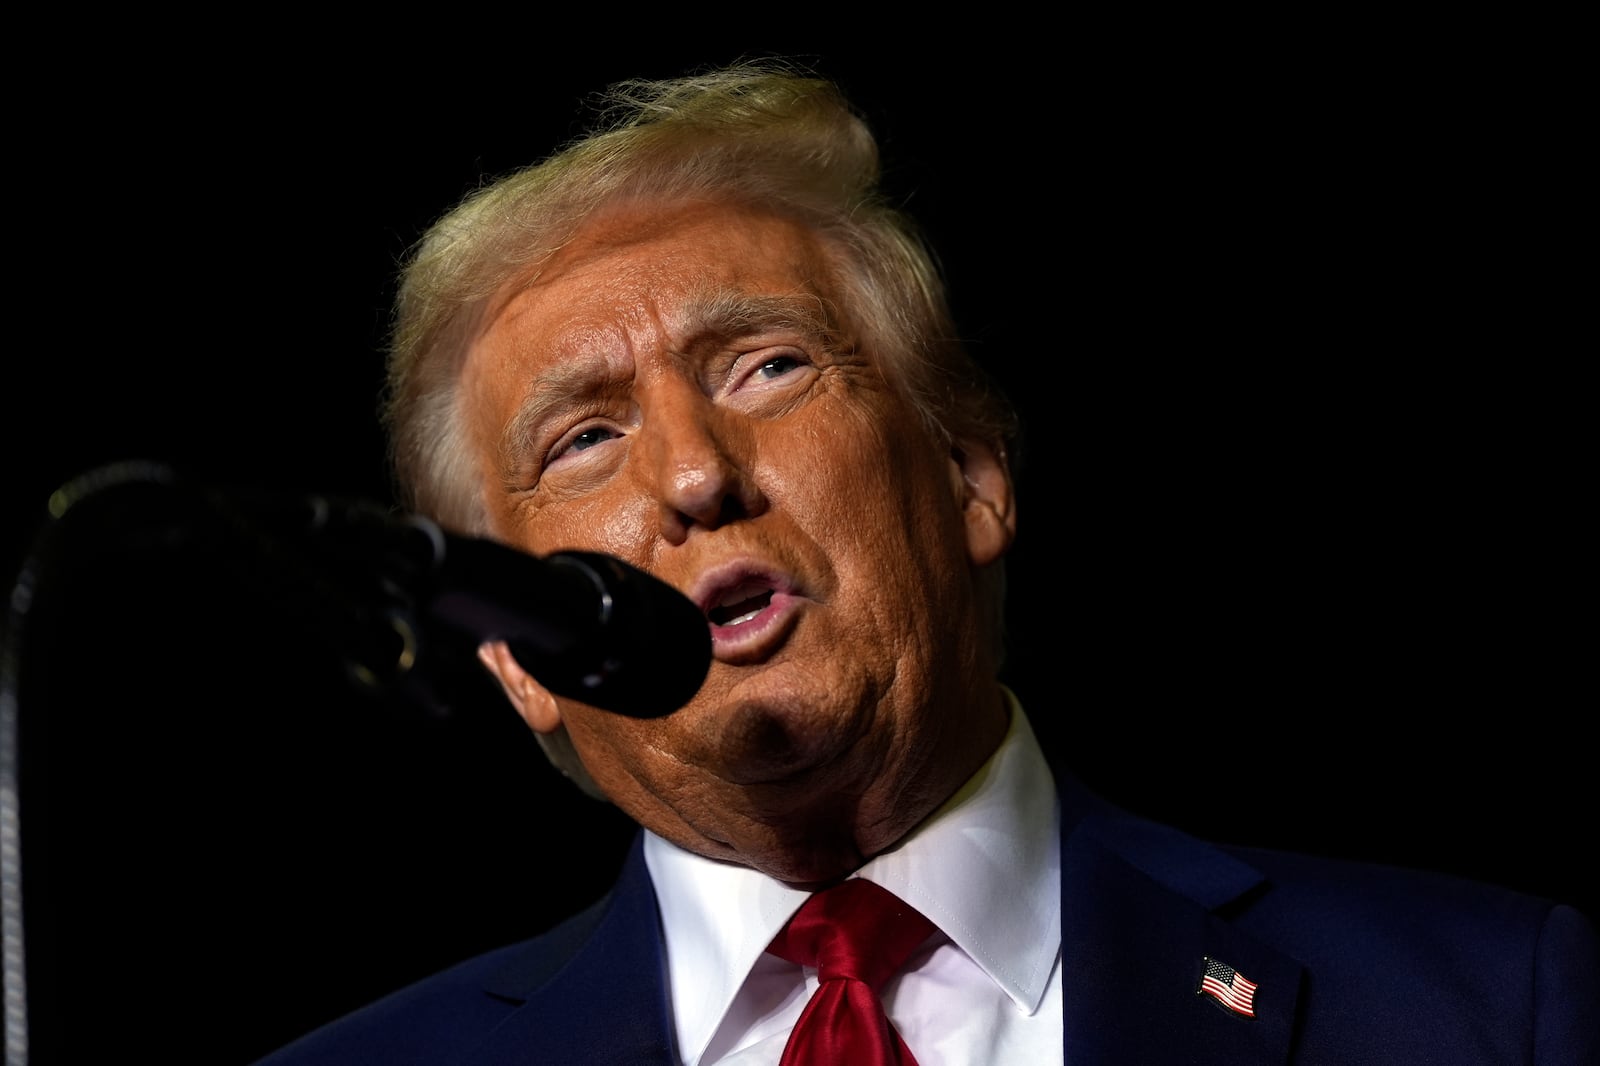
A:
[532,700]
[988,504]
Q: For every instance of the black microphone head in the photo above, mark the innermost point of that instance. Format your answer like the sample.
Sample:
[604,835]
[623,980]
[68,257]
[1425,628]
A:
[649,651]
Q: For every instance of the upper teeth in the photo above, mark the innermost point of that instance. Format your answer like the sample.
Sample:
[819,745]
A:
[748,598]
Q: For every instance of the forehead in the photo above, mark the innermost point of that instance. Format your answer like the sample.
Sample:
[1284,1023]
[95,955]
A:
[650,269]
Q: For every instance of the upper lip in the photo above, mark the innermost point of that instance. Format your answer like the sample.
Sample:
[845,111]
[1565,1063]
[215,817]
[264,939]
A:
[738,578]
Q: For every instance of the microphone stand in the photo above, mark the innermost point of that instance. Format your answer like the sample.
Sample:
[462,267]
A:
[13,956]
[378,645]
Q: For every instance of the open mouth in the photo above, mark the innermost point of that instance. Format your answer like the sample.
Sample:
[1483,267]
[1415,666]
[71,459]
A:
[752,608]
[740,604]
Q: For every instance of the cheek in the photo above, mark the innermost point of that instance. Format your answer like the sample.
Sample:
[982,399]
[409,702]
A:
[600,738]
[623,532]
[889,503]
[602,521]
[627,758]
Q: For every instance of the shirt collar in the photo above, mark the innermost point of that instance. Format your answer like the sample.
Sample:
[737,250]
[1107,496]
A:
[994,842]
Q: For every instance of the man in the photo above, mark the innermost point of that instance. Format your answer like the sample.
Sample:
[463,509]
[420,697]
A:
[701,342]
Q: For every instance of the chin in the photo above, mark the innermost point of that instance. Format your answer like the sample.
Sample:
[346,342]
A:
[784,722]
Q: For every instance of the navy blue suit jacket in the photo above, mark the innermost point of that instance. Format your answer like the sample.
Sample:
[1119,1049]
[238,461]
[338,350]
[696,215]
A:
[1354,965]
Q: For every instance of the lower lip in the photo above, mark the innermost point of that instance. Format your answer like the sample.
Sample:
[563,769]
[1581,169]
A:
[756,637]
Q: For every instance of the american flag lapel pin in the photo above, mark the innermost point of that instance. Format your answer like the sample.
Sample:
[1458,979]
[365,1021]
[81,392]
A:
[1228,987]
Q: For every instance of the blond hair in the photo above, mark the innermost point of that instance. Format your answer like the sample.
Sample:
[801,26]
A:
[762,133]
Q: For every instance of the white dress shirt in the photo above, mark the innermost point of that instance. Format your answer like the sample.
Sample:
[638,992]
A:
[986,988]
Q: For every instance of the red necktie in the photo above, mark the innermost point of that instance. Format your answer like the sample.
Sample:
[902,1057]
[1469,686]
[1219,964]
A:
[857,934]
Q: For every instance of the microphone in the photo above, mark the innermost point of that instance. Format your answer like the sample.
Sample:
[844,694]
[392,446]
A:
[399,597]
[586,625]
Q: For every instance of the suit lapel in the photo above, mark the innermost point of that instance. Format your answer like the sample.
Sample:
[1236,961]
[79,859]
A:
[1139,918]
[606,1004]
[1139,910]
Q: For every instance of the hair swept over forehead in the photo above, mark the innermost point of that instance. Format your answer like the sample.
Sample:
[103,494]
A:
[766,133]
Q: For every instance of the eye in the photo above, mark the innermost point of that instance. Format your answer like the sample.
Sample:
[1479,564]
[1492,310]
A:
[577,443]
[768,379]
[589,438]
[759,369]
[776,367]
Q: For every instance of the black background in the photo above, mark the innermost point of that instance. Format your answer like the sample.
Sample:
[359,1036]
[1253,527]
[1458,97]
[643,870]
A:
[1301,560]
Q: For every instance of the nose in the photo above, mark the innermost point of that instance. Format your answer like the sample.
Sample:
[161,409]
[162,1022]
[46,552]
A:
[695,460]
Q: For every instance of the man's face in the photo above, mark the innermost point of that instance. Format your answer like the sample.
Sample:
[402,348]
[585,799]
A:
[682,390]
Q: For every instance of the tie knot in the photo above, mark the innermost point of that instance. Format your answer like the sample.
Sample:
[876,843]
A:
[855,929]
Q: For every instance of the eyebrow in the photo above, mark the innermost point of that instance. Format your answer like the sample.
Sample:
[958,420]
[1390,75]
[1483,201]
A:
[729,313]
[560,385]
